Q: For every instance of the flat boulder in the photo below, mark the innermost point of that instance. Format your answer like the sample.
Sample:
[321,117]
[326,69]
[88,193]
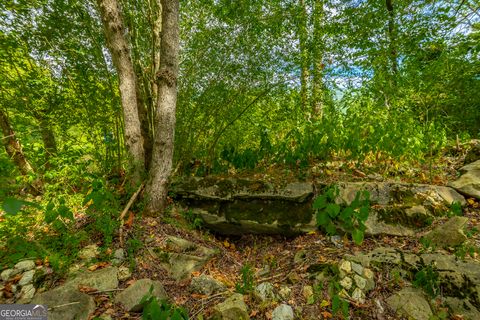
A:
[131,297]
[411,303]
[469,182]
[66,303]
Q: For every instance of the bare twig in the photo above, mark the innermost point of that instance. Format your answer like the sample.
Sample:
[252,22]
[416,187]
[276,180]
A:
[124,212]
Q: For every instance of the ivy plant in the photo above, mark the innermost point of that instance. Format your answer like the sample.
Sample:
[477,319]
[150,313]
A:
[351,218]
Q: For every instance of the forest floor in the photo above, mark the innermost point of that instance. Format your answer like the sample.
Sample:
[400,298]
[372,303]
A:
[279,255]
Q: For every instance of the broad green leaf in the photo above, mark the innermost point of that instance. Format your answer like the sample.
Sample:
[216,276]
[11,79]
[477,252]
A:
[12,206]
[357,236]
[333,210]
[320,202]
[322,218]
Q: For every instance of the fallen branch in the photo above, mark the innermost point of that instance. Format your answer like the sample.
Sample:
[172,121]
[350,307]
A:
[124,212]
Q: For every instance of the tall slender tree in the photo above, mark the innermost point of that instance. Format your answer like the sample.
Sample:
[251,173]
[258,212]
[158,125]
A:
[165,116]
[118,45]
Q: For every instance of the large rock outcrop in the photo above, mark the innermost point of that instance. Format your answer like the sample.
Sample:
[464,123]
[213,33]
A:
[469,182]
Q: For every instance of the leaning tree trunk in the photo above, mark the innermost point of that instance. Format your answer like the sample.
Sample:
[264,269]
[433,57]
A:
[392,40]
[120,50]
[13,146]
[161,167]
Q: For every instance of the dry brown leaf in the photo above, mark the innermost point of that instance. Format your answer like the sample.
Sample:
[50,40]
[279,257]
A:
[326,314]
[86,289]
[129,221]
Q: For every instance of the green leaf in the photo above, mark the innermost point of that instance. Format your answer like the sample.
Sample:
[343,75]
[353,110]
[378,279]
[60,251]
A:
[320,202]
[65,212]
[336,302]
[331,229]
[333,210]
[346,214]
[357,236]
[50,214]
[363,213]
[322,218]
[12,206]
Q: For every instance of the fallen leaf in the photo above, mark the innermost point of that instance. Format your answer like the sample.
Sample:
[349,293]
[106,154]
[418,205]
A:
[198,296]
[86,289]
[326,314]
[324,303]
[129,221]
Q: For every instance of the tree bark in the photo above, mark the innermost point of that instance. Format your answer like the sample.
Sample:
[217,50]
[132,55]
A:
[119,48]
[48,138]
[13,146]
[317,88]
[392,38]
[303,39]
[162,158]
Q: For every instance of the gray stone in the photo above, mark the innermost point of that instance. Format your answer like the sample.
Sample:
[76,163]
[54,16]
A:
[345,267]
[89,252]
[26,294]
[265,292]
[450,234]
[123,273]
[25,265]
[469,182]
[8,273]
[119,254]
[239,206]
[374,226]
[370,277]
[284,292]
[358,295]
[182,257]
[233,308]
[66,303]
[131,297]
[27,278]
[357,268]
[411,303]
[360,282]
[204,284]
[102,280]
[346,283]
[283,312]
[462,308]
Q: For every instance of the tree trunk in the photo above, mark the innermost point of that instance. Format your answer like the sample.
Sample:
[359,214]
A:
[317,89]
[162,157]
[303,40]
[119,48]
[392,39]
[48,138]
[13,147]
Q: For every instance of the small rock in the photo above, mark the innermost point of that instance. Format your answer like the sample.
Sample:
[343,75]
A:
[206,285]
[293,278]
[284,292]
[344,294]
[265,292]
[450,234]
[345,268]
[27,293]
[300,257]
[27,278]
[233,308]
[263,272]
[380,308]
[358,295]
[123,273]
[119,254]
[89,252]
[25,265]
[337,241]
[357,268]
[283,312]
[14,288]
[307,292]
[360,282]
[7,274]
[130,298]
[370,277]
[411,303]
[346,283]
